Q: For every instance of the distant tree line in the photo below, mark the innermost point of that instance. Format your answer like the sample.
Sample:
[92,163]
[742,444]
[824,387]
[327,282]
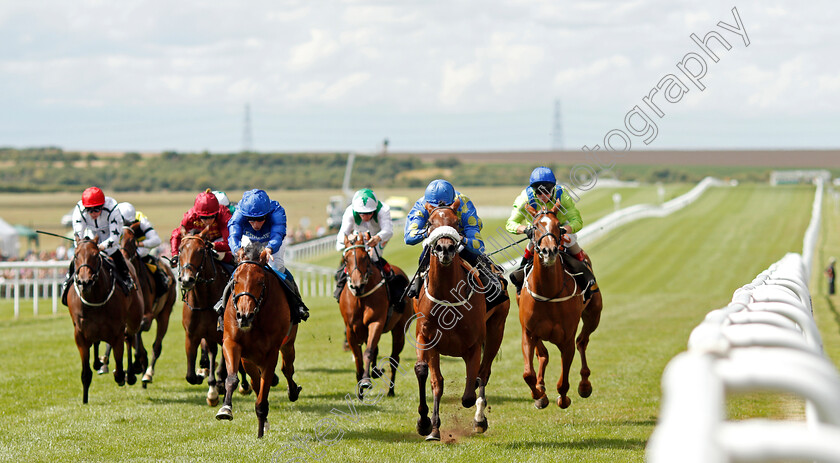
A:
[49,169]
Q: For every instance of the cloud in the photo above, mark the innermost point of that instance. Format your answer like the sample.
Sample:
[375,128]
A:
[456,80]
[320,47]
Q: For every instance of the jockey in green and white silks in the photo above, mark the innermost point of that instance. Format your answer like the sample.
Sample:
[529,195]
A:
[366,214]
[544,191]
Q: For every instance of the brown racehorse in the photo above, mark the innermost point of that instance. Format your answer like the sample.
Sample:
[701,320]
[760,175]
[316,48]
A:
[100,312]
[258,327]
[550,309]
[203,280]
[364,307]
[452,320]
[159,309]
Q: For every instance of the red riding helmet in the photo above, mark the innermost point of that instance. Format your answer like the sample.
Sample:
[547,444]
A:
[206,204]
[93,197]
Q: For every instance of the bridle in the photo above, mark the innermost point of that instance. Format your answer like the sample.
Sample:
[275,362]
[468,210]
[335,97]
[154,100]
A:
[366,275]
[257,300]
[199,279]
[92,281]
[538,242]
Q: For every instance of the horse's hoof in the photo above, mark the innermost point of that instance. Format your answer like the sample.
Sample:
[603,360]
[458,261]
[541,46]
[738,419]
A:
[294,393]
[541,403]
[434,435]
[102,370]
[391,393]
[147,378]
[563,401]
[119,378]
[376,372]
[97,364]
[225,413]
[468,402]
[213,402]
[585,389]
[202,372]
[244,389]
[195,379]
[364,385]
[424,426]
[131,379]
[275,381]
[480,426]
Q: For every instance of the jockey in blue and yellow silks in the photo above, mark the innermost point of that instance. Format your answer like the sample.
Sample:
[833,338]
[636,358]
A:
[442,193]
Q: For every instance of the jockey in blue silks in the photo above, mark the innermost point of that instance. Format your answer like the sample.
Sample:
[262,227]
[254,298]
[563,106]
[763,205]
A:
[442,193]
[258,219]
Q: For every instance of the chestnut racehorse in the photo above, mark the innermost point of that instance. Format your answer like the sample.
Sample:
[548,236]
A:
[452,320]
[550,308]
[101,312]
[364,307]
[258,327]
[159,309]
[203,280]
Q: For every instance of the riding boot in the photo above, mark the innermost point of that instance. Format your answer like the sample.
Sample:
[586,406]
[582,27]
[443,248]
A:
[67,281]
[219,306]
[340,281]
[486,273]
[592,285]
[583,274]
[123,274]
[296,302]
[517,277]
[162,282]
[391,286]
[417,282]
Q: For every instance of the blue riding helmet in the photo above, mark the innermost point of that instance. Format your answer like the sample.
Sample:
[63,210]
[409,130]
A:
[255,203]
[542,175]
[440,193]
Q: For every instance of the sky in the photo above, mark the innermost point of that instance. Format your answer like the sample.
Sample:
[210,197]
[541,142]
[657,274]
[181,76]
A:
[427,75]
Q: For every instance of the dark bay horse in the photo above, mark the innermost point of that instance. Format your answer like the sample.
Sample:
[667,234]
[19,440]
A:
[550,308]
[203,280]
[155,308]
[452,320]
[364,307]
[100,312]
[258,327]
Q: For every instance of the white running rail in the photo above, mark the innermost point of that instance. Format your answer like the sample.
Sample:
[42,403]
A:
[24,280]
[764,340]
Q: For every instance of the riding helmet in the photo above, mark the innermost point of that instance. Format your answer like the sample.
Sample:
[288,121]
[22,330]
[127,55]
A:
[255,203]
[364,201]
[206,204]
[542,175]
[93,197]
[440,193]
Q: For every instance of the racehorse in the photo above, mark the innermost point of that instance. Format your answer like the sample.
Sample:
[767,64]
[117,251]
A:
[203,280]
[156,308]
[452,320]
[365,309]
[100,312]
[258,327]
[550,308]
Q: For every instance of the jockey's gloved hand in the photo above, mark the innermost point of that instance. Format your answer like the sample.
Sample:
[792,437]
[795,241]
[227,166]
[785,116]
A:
[462,244]
[217,255]
[529,232]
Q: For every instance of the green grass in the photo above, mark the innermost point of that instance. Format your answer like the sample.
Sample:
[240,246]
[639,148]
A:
[659,278]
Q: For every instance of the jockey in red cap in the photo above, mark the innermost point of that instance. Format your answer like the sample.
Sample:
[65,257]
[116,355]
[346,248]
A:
[205,212]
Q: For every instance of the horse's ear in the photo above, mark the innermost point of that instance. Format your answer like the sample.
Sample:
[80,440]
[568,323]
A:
[556,206]
[367,236]
[240,254]
[346,240]
[204,233]
[456,205]
[531,210]
[96,240]
[77,238]
[429,208]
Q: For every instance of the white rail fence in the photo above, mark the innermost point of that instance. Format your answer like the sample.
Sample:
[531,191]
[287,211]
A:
[764,340]
[622,217]
[25,280]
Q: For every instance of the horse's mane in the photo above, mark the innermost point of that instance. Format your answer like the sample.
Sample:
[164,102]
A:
[252,250]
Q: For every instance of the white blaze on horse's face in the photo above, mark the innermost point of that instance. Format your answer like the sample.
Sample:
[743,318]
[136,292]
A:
[445,249]
[547,246]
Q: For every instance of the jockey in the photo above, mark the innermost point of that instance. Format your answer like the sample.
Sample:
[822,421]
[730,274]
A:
[147,240]
[97,215]
[366,214]
[442,193]
[261,220]
[543,191]
[206,211]
[223,199]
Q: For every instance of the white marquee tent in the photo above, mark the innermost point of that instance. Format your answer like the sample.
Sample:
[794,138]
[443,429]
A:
[9,245]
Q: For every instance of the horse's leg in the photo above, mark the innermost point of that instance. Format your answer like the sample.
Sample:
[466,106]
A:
[437,392]
[96,362]
[480,420]
[288,365]
[191,347]
[397,344]
[374,333]
[212,380]
[204,366]
[421,370]
[356,348]
[591,316]
[493,341]
[375,371]
[261,406]
[141,357]
[232,354]
[542,358]
[116,345]
[244,385]
[130,378]
[472,359]
[157,347]
[87,373]
[567,354]
[530,376]
[103,360]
